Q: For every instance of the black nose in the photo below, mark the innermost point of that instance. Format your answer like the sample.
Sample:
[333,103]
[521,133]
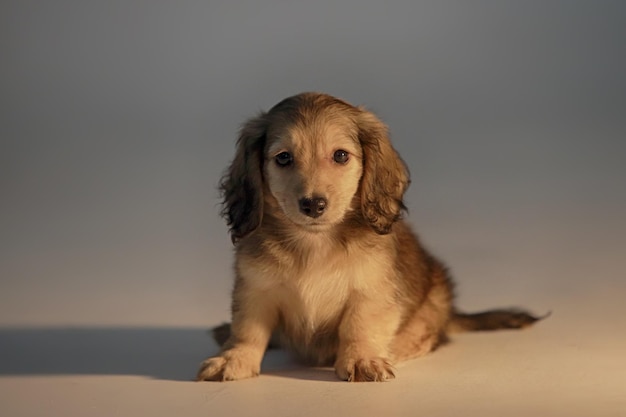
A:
[313,207]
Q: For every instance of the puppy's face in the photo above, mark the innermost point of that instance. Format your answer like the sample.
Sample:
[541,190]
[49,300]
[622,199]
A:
[306,161]
[313,165]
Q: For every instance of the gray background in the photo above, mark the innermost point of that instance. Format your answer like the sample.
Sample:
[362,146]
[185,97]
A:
[118,117]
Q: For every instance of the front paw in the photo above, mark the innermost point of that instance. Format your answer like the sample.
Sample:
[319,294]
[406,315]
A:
[228,367]
[365,370]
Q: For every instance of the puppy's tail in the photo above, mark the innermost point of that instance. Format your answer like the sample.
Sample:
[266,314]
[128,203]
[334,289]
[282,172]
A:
[221,334]
[492,320]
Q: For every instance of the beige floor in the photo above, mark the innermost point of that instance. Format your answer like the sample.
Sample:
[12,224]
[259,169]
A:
[557,369]
[571,364]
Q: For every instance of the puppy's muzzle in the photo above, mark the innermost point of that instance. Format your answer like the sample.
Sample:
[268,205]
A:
[313,207]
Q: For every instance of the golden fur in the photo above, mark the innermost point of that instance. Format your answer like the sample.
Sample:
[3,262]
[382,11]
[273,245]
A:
[323,259]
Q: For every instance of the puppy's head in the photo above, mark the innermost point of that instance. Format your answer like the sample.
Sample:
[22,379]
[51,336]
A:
[314,158]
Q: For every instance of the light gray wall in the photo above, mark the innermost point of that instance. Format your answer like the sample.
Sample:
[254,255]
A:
[117,118]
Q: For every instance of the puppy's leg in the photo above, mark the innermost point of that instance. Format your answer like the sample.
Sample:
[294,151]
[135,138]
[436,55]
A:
[365,333]
[242,353]
[425,330]
[417,338]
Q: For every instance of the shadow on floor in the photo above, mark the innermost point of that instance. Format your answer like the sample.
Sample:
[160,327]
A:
[162,353]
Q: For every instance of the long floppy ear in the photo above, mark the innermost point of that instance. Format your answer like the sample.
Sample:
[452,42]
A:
[385,176]
[242,184]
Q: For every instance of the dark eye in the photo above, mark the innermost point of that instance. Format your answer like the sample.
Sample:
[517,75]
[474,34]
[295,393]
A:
[341,156]
[284,159]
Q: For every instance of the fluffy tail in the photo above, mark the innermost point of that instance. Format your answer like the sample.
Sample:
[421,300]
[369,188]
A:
[492,320]
[221,334]
[511,318]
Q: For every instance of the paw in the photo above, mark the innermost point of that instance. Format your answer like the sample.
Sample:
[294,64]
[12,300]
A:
[365,370]
[228,367]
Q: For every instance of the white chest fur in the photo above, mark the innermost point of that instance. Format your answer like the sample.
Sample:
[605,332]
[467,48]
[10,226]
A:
[312,286]
[317,295]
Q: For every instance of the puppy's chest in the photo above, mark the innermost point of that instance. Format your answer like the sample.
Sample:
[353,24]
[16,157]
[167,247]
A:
[315,296]
[312,287]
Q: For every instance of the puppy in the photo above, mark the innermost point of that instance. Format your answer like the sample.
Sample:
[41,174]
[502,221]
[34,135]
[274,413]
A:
[324,261]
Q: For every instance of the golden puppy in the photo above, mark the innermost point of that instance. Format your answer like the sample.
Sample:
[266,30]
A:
[324,261]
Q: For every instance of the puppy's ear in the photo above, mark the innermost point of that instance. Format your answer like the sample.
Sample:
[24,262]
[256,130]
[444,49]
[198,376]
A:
[242,184]
[385,176]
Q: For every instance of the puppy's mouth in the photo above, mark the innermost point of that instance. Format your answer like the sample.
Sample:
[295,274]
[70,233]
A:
[318,224]
[309,214]
[312,225]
